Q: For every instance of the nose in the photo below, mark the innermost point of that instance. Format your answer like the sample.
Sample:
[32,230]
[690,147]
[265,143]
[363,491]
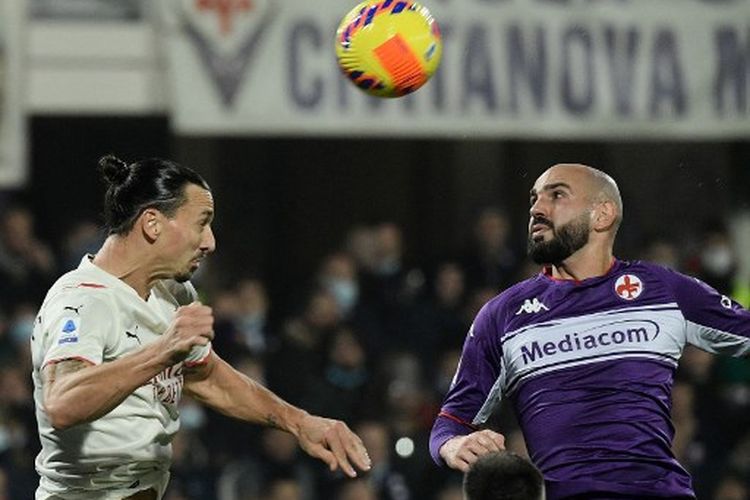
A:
[538,208]
[208,244]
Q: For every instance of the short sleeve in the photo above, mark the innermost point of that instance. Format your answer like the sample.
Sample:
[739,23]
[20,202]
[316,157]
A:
[76,325]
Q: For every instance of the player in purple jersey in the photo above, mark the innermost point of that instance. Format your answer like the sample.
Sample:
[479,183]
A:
[586,351]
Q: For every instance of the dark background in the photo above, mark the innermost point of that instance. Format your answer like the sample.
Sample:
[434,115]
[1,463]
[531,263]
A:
[282,204]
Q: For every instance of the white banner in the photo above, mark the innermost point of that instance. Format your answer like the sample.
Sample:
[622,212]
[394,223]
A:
[12,120]
[511,68]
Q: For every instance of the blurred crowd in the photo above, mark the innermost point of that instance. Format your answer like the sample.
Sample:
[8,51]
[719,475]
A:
[372,338]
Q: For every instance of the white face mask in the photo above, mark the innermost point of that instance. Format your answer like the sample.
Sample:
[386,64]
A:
[21,329]
[345,292]
[717,259]
[192,416]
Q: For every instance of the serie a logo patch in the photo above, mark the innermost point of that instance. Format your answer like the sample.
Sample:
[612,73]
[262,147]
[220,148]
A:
[68,331]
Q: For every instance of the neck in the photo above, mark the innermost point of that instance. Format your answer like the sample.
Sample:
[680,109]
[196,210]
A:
[119,257]
[588,262]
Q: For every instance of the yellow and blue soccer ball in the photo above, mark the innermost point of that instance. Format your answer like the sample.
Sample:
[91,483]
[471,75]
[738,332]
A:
[388,48]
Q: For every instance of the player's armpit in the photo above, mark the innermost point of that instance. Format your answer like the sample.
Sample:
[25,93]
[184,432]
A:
[56,370]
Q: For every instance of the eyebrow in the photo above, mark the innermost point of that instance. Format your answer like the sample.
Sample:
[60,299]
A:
[550,187]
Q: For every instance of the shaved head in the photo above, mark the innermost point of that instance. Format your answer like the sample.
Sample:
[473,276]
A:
[571,204]
[600,185]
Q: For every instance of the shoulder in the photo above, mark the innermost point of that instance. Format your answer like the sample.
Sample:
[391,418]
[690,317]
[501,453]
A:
[78,286]
[668,276]
[498,310]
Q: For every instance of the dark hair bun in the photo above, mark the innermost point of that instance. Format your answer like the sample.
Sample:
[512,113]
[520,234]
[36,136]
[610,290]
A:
[114,170]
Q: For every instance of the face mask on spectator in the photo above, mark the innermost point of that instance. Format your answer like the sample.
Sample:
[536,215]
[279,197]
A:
[21,329]
[345,292]
[192,417]
[717,259]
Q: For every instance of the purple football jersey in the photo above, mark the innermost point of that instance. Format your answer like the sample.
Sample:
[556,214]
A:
[589,367]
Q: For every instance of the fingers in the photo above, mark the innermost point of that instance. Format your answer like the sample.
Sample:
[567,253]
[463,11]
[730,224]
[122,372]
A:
[319,451]
[334,443]
[348,448]
[486,441]
[461,452]
[193,325]
[196,320]
[358,453]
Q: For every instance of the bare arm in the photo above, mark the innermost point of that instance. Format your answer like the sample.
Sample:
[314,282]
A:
[223,388]
[218,385]
[77,391]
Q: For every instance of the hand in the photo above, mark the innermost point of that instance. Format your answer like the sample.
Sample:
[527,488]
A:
[193,325]
[334,443]
[461,452]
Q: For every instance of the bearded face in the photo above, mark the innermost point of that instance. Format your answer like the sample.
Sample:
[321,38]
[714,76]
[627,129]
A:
[563,241]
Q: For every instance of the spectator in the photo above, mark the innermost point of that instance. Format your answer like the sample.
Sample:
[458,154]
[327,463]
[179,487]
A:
[358,489]
[490,259]
[83,237]
[302,346]
[387,482]
[343,386]
[27,266]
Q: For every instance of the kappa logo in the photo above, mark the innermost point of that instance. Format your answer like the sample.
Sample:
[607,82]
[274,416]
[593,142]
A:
[532,306]
[628,287]
[726,302]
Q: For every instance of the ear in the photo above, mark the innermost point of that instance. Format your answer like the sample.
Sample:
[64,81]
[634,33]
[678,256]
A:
[150,223]
[604,216]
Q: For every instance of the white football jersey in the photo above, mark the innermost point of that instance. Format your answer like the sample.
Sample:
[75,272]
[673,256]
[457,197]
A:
[92,315]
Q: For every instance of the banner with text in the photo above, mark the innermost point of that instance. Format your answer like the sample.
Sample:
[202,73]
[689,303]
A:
[511,68]
[12,121]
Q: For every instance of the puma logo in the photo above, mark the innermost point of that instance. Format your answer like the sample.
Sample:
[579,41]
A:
[74,309]
[132,336]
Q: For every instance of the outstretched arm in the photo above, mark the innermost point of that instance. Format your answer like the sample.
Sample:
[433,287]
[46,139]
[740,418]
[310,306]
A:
[228,391]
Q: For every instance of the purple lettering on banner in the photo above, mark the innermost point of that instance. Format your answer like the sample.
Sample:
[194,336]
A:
[228,70]
[622,48]
[306,89]
[667,78]
[733,74]
[527,66]
[477,70]
[577,79]
[437,82]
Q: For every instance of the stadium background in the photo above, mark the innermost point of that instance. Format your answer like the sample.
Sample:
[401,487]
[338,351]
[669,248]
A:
[349,264]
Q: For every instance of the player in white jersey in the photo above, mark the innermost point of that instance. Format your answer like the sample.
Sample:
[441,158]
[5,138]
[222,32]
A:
[117,340]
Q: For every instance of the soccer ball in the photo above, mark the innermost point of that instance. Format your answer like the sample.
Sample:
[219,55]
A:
[388,48]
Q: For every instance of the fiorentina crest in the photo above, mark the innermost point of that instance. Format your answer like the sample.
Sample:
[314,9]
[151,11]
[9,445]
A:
[226,35]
